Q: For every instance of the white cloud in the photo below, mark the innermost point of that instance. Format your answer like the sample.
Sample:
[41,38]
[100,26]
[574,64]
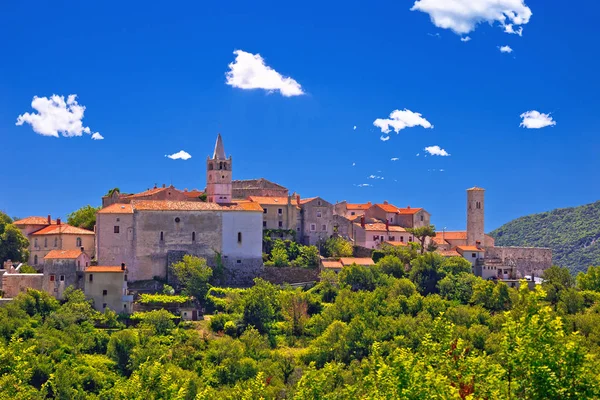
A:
[384,138]
[505,49]
[399,120]
[375,177]
[353,164]
[180,155]
[441,170]
[55,116]
[249,71]
[463,16]
[395,159]
[465,39]
[364,185]
[436,151]
[354,127]
[418,154]
[536,120]
[97,136]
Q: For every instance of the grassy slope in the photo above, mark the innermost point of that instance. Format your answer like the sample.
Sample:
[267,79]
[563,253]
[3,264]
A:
[572,233]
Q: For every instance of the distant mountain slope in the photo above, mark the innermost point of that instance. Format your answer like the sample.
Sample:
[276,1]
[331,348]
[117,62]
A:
[572,233]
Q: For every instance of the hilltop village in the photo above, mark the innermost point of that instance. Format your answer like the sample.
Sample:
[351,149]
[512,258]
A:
[138,237]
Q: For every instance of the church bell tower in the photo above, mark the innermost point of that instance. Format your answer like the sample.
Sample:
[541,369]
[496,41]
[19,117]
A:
[218,175]
[475,216]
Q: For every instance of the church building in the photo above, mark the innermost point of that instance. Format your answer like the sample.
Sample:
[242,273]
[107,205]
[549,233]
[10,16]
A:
[149,235]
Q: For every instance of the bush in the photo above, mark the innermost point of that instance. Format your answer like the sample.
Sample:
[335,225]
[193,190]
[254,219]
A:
[162,299]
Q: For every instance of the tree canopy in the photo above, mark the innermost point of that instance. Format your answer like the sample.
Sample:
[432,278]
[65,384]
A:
[13,244]
[84,218]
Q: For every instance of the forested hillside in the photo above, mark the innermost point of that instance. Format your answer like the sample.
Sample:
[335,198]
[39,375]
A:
[573,234]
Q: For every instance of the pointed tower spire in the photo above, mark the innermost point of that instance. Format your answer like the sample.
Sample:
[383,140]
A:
[219,149]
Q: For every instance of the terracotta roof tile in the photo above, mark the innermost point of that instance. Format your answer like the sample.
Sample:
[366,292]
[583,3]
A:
[307,200]
[390,208]
[104,268]
[332,264]
[470,248]
[460,235]
[63,254]
[356,260]
[117,208]
[396,243]
[62,229]
[34,221]
[448,253]
[194,194]
[168,205]
[264,200]
[364,206]
[380,227]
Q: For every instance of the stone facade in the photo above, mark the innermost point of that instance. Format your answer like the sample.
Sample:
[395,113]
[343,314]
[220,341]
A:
[13,284]
[219,175]
[526,260]
[342,226]
[350,210]
[280,212]
[475,216]
[242,189]
[157,193]
[405,217]
[107,287]
[63,269]
[317,220]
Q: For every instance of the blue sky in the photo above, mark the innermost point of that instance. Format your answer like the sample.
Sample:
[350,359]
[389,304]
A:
[152,76]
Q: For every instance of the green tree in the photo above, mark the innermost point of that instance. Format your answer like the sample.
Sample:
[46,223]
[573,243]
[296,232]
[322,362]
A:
[193,274]
[337,247]
[13,244]
[279,255]
[308,257]
[426,272]
[458,287]
[27,269]
[392,265]
[159,321]
[120,348]
[359,277]
[422,233]
[261,305]
[589,280]
[557,279]
[84,218]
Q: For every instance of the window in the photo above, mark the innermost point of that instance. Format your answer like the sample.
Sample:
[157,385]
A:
[239,261]
[281,224]
[77,242]
[402,239]
[103,305]
[91,277]
[264,210]
[239,237]
[177,220]
[318,214]
[56,242]
[104,292]
[324,227]
[474,255]
[35,242]
[162,236]
[118,219]
[264,224]
[313,227]
[193,236]
[375,237]
[116,229]
[410,239]
[45,242]
[125,306]
[319,202]
[125,277]
[185,314]
[35,259]
[52,278]
[78,264]
[392,238]
[280,211]
[352,213]
[422,218]
[62,278]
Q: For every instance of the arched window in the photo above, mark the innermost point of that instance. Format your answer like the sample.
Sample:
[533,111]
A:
[45,242]
[221,165]
[161,236]
[55,242]
[35,259]
[193,236]
[78,242]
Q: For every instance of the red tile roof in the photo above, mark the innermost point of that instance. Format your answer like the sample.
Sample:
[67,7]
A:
[168,205]
[117,208]
[460,235]
[470,248]
[380,227]
[307,200]
[332,264]
[149,192]
[448,253]
[409,211]
[439,240]
[395,243]
[390,208]
[63,254]
[193,194]
[356,260]
[102,268]
[365,206]
[264,200]
[62,229]
[34,221]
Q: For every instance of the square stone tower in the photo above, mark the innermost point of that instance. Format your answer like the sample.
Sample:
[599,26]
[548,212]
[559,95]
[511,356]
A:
[475,216]
[218,175]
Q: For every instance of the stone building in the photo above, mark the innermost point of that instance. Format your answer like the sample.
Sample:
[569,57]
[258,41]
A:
[351,210]
[405,217]
[317,220]
[371,235]
[156,193]
[149,235]
[242,189]
[64,268]
[279,213]
[45,235]
[13,282]
[107,287]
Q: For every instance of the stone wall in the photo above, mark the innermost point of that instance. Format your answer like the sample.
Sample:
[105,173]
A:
[13,284]
[317,213]
[64,274]
[343,225]
[359,252]
[528,260]
[279,276]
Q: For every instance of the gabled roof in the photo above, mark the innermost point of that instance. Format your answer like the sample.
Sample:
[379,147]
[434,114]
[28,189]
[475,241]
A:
[381,227]
[390,208]
[396,243]
[194,194]
[63,254]
[63,229]
[260,183]
[270,201]
[457,235]
[448,253]
[356,260]
[117,208]
[34,221]
[365,206]
[168,205]
[307,200]
[103,268]
[332,264]
[470,248]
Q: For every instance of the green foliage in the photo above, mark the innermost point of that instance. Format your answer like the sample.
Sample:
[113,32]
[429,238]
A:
[358,277]
[193,273]
[337,247]
[589,280]
[572,233]
[392,265]
[260,305]
[203,197]
[165,299]
[159,321]
[286,253]
[84,218]
[13,244]
[27,269]
[422,233]
[111,191]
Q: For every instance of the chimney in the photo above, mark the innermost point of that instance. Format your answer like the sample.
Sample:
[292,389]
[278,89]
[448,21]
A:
[49,220]
[362,221]
[385,202]
[164,186]
[122,266]
[155,186]
[298,199]
[408,207]
[478,244]
[82,249]
[387,225]
[185,190]
[57,221]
